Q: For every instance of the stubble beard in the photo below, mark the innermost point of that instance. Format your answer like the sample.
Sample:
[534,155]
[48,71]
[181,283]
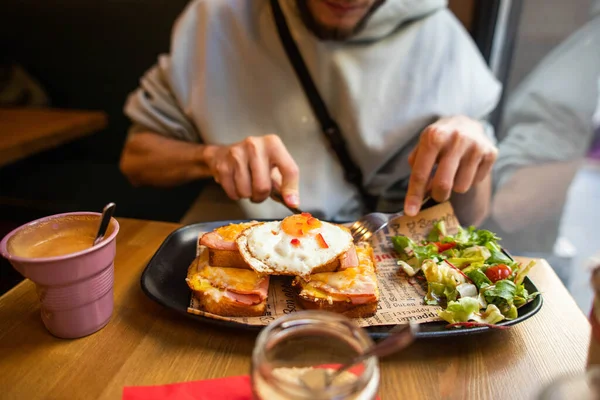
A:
[324,32]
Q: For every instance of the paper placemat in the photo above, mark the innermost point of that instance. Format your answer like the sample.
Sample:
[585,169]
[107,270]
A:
[401,296]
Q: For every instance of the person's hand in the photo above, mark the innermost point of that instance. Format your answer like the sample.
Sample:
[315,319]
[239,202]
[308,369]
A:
[250,169]
[464,156]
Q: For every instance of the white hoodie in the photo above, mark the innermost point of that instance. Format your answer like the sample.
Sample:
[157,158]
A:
[227,77]
[550,116]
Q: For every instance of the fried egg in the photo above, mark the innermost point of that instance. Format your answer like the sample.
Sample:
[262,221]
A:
[297,245]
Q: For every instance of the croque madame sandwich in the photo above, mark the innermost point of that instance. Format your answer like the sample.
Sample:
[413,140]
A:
[229,292]
[230,277]
[352,291]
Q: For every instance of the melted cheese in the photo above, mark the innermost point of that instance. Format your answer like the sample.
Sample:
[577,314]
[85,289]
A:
[198,284]
[350,277]
[202,277]
[230,232]
[311,291]
[214,293]
[334,285]
[243,280]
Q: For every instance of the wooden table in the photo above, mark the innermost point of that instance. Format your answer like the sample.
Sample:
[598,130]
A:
[147,344]
[26,131]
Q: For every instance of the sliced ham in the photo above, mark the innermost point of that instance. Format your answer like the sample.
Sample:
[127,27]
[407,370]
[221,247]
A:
[362,298]
[242,285]
[215,241]
[349,259]
[261,290]
[248,299]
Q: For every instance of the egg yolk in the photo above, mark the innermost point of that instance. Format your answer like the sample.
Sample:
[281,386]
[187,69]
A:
[299,225]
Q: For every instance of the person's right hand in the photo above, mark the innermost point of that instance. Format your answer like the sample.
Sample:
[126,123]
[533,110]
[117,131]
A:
[250,169]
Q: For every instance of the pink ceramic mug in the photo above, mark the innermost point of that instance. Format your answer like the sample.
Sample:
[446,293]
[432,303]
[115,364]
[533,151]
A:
[75,287]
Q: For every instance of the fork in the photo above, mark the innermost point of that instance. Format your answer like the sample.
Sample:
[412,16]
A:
[367,225]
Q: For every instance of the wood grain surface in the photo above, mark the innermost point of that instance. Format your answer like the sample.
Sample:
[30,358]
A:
[26,131]
[146,344]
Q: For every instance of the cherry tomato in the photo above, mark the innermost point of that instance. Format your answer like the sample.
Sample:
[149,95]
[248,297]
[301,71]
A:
[498,272]
[444,246]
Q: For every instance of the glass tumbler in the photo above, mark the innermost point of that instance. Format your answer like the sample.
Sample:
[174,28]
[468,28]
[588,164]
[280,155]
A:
[303,341]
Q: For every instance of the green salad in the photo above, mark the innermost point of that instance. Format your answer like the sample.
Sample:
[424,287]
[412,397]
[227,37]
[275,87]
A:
[467,274]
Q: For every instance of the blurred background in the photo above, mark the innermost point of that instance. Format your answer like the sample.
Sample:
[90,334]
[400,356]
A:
[83,59]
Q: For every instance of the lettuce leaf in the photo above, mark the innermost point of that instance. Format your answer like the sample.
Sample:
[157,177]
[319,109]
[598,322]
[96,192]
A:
[403,246]
[464,261]
[474,266]
[522,272]
[459,311]
[474,237]
[467,309]
[410,267]
[407,249]
[428,252]
[512,312]
[479,279]
[522,296]
[502,294]
[497,256]
[412,255]
[442,281]
[503,289]
[491,315]
[477,252]
[438,232]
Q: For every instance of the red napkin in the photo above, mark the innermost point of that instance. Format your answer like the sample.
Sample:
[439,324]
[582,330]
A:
[232,388]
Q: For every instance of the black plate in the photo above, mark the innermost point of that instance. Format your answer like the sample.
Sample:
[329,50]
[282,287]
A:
[163,281]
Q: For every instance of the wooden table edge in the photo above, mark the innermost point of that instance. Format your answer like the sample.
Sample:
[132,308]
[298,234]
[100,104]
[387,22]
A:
[98,121]
[126,375]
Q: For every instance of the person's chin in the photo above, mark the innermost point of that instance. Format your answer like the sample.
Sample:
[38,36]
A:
[334,24]
[348,28]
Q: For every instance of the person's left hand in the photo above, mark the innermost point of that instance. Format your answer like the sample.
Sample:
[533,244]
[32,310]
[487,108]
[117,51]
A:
[464,156]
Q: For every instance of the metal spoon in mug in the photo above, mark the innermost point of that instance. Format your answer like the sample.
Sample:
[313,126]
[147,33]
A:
[107,214]
[403,335]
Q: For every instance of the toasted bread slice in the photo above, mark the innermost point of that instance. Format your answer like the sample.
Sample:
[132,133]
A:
[352,292]
[219,305]
[228,292]
[227,259]
[222,250]
[342,307]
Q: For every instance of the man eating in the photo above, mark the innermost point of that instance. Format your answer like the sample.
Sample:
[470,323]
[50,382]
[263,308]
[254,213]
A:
[401,79]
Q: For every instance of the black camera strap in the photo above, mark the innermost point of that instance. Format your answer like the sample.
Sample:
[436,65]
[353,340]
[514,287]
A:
[329,127]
